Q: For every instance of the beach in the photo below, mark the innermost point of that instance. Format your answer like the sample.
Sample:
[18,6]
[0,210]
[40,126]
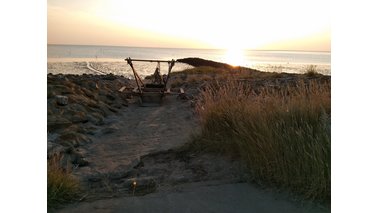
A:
[123,154]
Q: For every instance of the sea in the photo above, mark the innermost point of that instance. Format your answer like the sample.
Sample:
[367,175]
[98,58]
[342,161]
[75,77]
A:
[91,59]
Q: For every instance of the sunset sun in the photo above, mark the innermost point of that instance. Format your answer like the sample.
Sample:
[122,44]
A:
[235,56]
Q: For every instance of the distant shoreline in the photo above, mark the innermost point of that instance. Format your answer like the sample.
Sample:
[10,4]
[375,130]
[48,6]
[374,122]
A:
[268,61]
[262,50]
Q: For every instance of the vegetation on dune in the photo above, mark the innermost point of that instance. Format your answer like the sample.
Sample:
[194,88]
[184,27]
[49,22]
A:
[202,70]
[199,62]
[283,134]
[310,70]
[61,186]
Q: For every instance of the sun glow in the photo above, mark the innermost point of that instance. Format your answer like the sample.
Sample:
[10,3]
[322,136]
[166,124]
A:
[236,24]
[235,57]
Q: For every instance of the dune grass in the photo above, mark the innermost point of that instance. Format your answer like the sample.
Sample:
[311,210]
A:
[283,135]
[61,186]
[310,70]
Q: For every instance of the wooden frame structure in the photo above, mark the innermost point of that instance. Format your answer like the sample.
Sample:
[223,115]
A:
[151,94]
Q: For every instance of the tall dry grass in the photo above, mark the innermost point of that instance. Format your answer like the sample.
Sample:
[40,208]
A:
[61,186]
[282,134]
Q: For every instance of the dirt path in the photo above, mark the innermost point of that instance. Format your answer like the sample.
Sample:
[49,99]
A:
[135,132]
[136,146]
[198,198]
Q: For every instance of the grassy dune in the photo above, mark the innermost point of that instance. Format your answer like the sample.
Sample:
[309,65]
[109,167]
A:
[283,134]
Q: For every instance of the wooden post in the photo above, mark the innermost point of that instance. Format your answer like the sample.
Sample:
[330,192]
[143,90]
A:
[135,74]
[171,64]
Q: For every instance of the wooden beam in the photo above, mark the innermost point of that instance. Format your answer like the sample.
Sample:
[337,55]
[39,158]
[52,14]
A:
[148,60]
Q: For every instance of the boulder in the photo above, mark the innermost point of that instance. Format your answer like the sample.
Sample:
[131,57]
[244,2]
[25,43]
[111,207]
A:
[61,100]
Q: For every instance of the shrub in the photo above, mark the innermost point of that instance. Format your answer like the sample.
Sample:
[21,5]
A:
[311,70]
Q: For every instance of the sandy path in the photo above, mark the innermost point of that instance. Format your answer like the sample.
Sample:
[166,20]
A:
[137,131]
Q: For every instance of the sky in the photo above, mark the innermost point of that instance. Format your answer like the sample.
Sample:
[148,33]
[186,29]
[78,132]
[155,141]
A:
[236,24]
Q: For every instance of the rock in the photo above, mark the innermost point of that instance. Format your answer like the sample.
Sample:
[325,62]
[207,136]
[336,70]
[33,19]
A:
[60,89]
[75,113]
[93,85]
[79,117]
[90,130]
[55,122]
[110,97]
[78,159]
[72,139]
[68,84]
[184,96]
[112,109]
[65,161]
[88,93]
[117,104]
[93,104]
[109,77]
[50,93]
[55,149]
[109,129]
[61,100]
[96,118]
[104,109]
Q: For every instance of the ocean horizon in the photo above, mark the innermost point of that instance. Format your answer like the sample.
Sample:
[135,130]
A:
[112,57]
[270,50]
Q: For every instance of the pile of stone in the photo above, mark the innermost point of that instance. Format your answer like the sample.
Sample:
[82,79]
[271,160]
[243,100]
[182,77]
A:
[76,108]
